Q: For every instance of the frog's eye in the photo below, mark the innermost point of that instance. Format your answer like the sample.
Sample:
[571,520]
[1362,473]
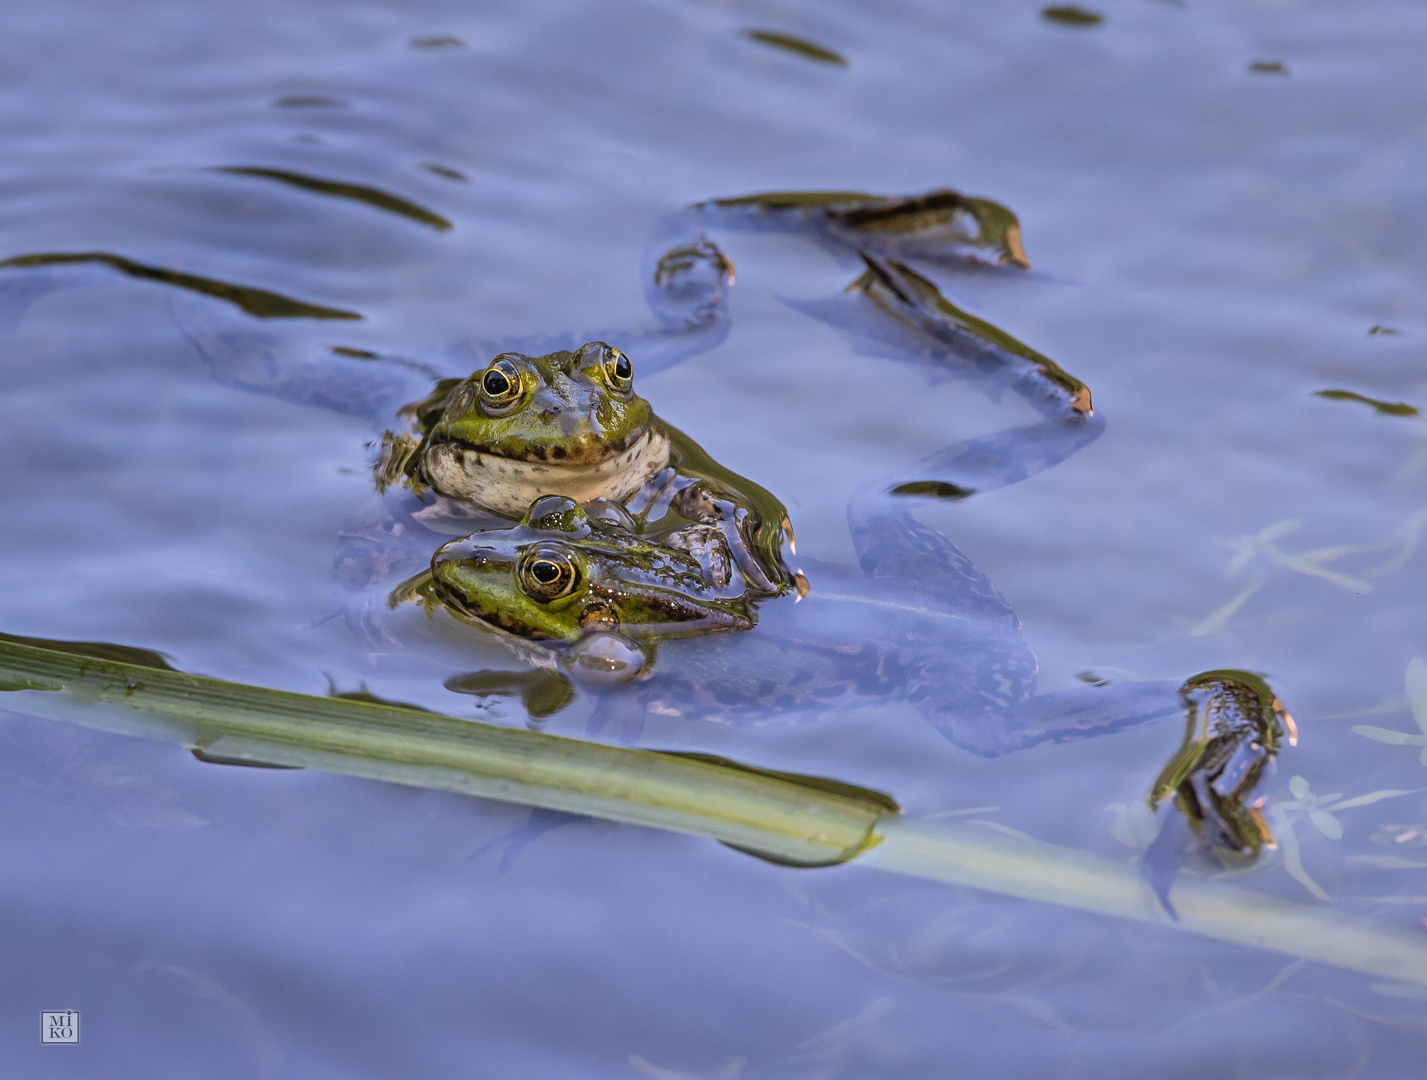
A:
[500,386]
[618,371]
[548,574]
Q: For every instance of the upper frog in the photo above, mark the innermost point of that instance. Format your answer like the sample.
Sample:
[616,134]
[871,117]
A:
[568,423]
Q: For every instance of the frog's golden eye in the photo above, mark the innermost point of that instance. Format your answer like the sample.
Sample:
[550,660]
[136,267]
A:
[618,371]
[548,574]
[501,386]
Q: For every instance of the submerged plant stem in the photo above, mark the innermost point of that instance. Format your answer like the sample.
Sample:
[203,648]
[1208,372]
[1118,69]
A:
[778,816]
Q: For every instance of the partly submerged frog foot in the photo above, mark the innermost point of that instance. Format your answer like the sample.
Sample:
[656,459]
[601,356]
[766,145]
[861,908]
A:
[1234,727]
[688,284]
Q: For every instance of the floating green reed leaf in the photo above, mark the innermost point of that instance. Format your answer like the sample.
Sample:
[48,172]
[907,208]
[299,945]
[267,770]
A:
[809,50]
[802,820]
[1071,15]
[338,189]
[1399,408]
[259,302]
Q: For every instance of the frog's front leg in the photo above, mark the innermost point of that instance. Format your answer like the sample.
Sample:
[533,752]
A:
[754,524]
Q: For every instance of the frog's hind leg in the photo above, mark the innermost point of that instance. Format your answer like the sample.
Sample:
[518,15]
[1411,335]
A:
[967,668]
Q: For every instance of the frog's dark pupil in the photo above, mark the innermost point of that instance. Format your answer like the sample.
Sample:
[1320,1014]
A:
[545,572]
[495,383]
[622,367]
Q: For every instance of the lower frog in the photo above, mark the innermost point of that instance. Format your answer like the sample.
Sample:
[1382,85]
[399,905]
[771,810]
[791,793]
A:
[581,595]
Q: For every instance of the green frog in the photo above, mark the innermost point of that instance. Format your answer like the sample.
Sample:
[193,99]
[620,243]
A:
[569,423]
[576,592]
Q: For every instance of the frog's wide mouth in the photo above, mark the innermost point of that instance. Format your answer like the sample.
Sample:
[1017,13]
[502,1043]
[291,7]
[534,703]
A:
[509,485]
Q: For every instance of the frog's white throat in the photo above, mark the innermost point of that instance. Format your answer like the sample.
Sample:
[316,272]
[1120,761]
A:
[509,486]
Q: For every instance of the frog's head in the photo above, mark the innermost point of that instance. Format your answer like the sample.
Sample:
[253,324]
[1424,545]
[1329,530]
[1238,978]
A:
[567,423]
[561,574]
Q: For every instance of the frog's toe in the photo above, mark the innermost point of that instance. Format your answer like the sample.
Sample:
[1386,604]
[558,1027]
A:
[688,285]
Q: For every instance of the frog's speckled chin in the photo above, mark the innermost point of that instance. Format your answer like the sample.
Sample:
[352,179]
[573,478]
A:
[509,486]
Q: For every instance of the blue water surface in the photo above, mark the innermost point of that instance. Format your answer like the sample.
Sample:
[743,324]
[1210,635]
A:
[1212,245]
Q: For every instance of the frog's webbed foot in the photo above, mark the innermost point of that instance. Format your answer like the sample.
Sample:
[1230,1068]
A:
[688,284]
[244,354]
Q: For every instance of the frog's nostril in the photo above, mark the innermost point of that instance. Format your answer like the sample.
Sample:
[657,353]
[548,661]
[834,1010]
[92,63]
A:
[550,413]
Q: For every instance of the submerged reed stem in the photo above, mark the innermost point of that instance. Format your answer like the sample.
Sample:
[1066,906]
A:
[786,818]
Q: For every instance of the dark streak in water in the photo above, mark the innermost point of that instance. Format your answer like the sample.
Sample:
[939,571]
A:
[309,101]
[259,302]
[375,197]
[1070,15]
[439,41]
[934,489]
[1391,331]
[442,170]
[1268,67]
[1387,408]
[800,46]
